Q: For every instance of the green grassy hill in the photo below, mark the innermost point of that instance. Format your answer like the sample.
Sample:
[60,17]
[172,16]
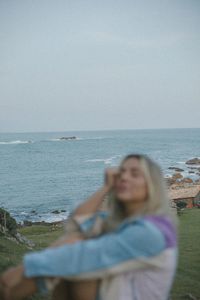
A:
[186,283]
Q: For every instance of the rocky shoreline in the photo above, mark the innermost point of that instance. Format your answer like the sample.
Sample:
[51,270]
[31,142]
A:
[175,180]
[193,166]
[10,229]
[58,223]
[44,223]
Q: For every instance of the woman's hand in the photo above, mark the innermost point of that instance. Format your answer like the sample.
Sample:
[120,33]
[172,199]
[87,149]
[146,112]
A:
[110,176]
[12,276]
[14,286]
[1,291]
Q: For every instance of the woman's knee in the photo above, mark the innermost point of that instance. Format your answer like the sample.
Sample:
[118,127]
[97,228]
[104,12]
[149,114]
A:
[75,290]
[83,290]
[61,291]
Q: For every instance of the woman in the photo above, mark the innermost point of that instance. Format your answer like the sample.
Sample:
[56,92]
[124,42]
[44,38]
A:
[128,252]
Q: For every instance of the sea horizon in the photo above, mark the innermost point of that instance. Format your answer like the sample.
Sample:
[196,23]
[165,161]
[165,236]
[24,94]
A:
[80,130]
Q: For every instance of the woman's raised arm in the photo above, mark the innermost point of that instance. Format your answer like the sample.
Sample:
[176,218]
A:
[93,203]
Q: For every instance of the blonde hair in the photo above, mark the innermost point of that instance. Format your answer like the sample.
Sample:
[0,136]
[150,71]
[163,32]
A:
[158,202]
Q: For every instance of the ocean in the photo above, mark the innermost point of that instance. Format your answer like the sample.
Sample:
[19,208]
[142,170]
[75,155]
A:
[41,173]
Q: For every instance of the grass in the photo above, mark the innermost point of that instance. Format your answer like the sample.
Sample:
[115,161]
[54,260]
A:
[11,253]
[186,284]
[188,272]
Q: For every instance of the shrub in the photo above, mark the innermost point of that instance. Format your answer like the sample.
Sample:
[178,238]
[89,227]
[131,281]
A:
[181,204]
[7,223]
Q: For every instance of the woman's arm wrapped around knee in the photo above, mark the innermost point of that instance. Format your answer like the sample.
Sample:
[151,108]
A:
[72,234]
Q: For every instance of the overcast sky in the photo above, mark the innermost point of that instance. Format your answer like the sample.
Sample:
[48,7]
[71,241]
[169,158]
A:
[89,65]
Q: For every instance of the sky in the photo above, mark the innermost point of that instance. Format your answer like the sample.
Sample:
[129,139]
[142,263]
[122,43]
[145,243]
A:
[99,65]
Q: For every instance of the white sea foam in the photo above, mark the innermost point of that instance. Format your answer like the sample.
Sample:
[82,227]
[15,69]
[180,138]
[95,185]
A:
[168,175]
[50,218]
[24,213]
[15,142]
[40,217]
[106,161]
[61,140]
[184,162]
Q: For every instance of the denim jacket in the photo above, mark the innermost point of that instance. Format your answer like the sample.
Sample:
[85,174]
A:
[136,261]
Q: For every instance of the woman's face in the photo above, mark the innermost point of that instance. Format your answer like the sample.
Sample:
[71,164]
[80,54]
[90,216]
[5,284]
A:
[131,185]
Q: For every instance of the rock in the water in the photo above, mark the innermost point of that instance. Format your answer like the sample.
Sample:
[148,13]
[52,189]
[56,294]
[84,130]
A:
[177,176]
[194,168]
[169,180]
[176,169]
[68,138]
[193,161]
[55,212]
[187,180]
